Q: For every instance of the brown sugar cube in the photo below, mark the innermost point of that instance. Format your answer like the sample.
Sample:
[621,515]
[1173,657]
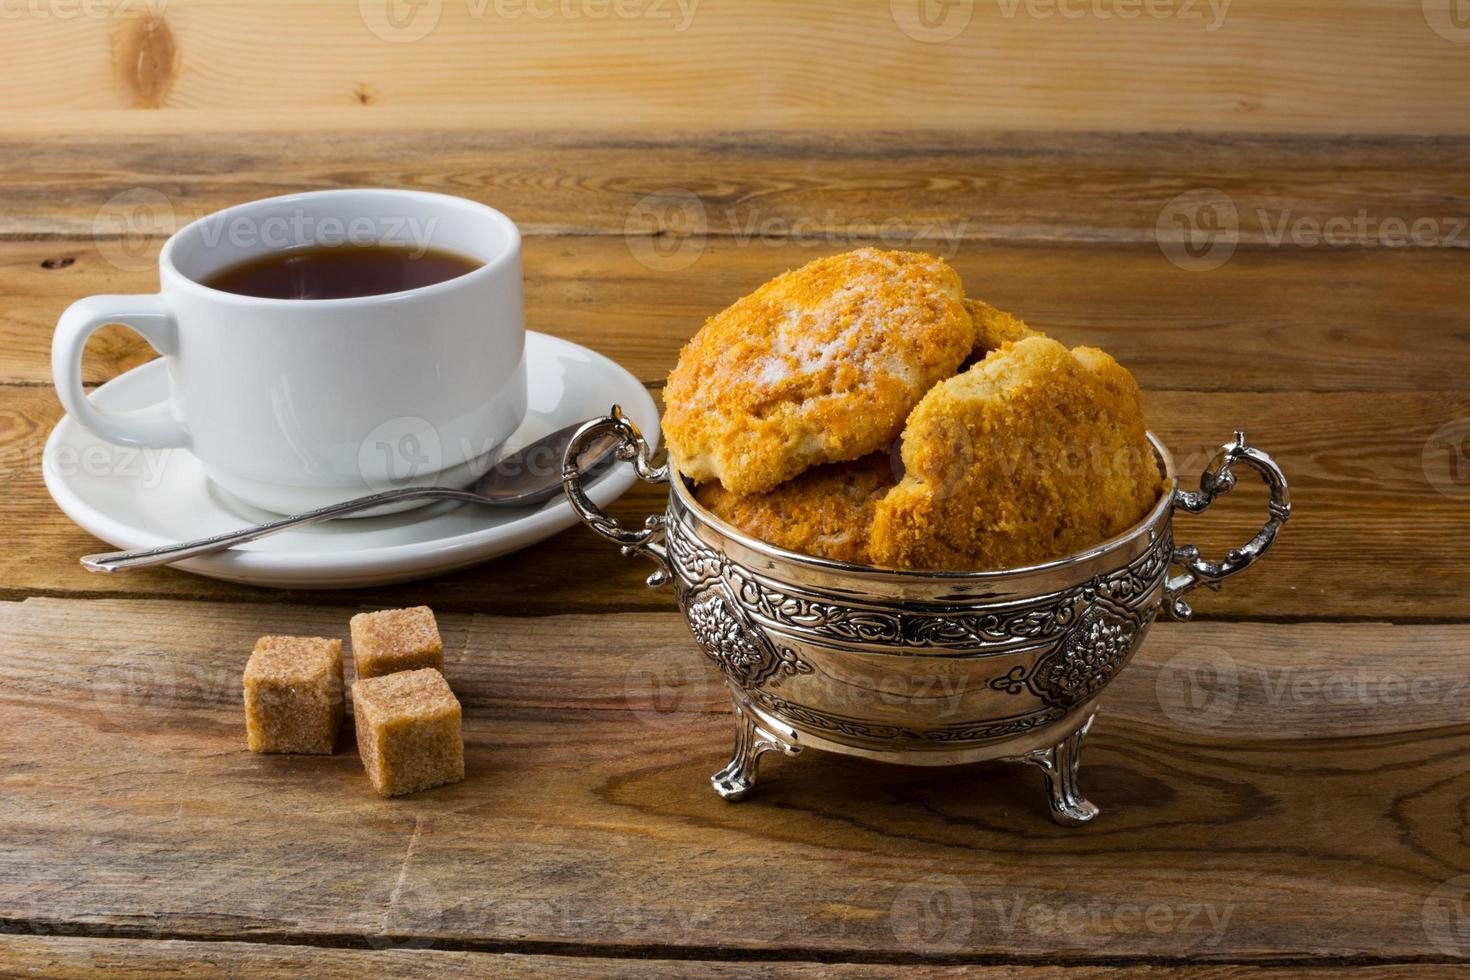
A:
[408,731]
[293,695]
[396,639]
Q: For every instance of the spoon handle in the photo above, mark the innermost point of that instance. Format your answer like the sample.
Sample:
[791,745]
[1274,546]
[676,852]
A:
[118,561]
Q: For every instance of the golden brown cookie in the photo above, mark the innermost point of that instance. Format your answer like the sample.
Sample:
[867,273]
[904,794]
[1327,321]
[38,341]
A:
[1035,453]
[819,365]
[826,511]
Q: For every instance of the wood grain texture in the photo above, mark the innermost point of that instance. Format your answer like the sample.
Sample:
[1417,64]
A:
[1364,508]
[1271,319]
[1006,187]
[1250,65]
[1303,825]
[45,957]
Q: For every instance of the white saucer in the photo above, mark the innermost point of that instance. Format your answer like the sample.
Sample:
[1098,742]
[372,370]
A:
[136,499]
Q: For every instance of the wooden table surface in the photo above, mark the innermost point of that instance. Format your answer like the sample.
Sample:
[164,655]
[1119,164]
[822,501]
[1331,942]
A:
[1283,781]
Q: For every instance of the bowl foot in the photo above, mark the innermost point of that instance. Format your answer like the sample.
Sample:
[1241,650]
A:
[1059,765]
[755,735]
[752,740]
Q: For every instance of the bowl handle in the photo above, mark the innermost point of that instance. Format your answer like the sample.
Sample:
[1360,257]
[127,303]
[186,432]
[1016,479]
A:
[1218,479]
[632,447]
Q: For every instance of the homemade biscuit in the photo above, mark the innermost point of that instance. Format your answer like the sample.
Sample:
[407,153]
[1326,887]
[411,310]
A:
[826,511]
[1035,453]
[820,365]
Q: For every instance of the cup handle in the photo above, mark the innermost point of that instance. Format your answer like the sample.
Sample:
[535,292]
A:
[1218,479]
[151,427]
[632,448]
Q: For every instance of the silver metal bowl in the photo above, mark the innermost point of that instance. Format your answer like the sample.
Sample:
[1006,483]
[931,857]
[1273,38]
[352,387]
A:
[920,668]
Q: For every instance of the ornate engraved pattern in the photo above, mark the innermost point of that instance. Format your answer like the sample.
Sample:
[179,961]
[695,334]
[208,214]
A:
[969,731]
[1073,641]
[945,628]
[1087,658]
[737,647]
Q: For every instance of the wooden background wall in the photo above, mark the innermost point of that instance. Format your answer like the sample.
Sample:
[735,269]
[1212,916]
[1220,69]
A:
[1314,66]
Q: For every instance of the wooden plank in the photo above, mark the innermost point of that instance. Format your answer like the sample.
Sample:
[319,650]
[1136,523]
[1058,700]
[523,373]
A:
[131,959]
[999,187]
[1251,65]
[1273,820]
[1356,461]
[1271,319]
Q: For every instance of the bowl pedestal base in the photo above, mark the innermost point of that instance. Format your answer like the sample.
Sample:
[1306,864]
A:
[757,733]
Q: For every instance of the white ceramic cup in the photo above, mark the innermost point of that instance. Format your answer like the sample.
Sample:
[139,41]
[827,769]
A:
[291,404]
